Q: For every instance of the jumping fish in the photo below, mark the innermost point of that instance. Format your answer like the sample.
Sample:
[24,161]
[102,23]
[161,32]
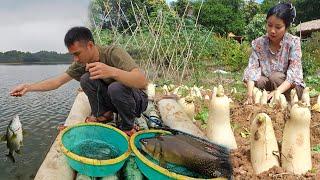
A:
[14,137]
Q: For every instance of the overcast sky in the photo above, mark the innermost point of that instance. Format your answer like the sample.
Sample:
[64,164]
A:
[35,25]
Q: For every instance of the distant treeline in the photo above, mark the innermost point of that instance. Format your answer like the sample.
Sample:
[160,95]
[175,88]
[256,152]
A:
[38,57]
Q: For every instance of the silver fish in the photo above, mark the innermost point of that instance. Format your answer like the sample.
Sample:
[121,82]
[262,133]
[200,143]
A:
[14,137]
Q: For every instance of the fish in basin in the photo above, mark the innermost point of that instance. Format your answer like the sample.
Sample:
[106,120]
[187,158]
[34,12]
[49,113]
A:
[176,150]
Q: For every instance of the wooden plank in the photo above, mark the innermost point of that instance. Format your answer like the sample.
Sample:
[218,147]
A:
[55,165]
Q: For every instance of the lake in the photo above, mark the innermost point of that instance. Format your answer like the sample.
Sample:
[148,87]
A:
[40,114]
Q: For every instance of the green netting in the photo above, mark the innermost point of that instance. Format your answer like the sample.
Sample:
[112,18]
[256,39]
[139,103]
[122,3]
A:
[96,149]
[95,142]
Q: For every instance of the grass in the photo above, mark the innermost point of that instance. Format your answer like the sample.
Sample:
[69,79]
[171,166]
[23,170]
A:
[316,148]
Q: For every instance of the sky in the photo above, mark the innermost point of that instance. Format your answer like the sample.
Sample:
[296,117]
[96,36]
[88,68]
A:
[35,25]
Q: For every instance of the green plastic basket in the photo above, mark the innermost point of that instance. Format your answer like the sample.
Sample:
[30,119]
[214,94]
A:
[94,132]
[150,169]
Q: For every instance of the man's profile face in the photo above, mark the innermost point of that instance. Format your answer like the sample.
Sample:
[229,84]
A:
[81,52]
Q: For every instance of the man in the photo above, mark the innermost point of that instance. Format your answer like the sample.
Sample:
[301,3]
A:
[108,76]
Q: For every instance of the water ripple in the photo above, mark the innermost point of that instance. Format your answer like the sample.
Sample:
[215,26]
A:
[40,113]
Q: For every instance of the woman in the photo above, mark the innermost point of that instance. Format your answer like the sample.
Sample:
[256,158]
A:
[275,62]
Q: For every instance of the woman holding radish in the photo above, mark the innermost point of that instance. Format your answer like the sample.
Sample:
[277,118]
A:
[275,62]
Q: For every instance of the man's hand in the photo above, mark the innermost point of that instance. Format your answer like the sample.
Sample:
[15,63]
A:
[249,100]
[19,90]
[100,70]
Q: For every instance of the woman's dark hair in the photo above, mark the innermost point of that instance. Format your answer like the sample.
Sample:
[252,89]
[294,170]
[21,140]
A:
[284,11]
[74,34]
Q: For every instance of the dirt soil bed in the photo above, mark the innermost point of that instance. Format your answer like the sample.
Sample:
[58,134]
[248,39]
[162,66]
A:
[242,116]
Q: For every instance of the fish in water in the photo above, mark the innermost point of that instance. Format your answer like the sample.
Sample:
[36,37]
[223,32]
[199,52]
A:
[14,137]
[169,148]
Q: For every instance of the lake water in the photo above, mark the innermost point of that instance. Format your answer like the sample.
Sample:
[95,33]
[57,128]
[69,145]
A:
[40,114]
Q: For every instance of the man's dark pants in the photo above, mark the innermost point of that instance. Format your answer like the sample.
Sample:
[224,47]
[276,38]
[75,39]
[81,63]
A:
[128,102]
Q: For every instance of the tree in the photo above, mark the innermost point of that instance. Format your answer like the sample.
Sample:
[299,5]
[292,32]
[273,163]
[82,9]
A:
[307,10]
[181,6]
[250,9]
[256,27]
[222,15]
[267,4]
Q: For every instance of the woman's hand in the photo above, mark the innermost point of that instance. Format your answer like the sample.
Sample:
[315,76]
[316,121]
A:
[249,100]
[250,86]
[270,95]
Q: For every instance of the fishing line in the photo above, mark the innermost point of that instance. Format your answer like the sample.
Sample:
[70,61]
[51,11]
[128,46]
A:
[98,100]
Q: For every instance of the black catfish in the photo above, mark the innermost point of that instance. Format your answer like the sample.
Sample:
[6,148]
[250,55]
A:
[173,149]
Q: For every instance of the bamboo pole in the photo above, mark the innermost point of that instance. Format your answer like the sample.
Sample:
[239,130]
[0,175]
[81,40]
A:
[55,165]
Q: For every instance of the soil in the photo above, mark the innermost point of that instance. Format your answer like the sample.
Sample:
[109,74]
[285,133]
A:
[242,116]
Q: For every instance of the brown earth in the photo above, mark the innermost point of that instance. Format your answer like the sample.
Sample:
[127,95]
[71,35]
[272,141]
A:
[242,116]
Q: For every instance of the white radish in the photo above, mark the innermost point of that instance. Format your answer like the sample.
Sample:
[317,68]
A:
[233,91]
[257,97]
[283,102]
[195,92]
[305,96]
[176,90]
[214,93]
[294,97]
[316,107]
[219,128]
[171,87]
[276,98]
[296,151]
[206,97]
[165,89]
[187,104]
[254,91]
[151,91]
[264,97]
[263,144]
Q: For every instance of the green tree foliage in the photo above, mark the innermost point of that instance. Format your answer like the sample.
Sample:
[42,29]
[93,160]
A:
[307,10]
[223,16]
[250,9]
[267,4]
[256,27]
[181,6]
[311,54]
[38,57]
